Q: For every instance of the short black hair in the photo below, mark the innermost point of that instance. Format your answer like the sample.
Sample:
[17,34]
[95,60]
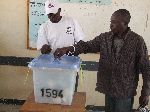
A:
[125,13]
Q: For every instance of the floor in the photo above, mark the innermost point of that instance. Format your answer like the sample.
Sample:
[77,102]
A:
[9,108]
[15,108]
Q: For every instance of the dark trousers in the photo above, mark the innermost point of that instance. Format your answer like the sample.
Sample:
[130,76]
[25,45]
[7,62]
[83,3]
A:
[118,105]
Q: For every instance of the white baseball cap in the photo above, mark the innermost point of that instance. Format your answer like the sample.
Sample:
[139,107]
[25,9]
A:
[51,6]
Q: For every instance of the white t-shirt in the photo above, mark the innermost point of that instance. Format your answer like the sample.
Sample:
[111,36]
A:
[62,34]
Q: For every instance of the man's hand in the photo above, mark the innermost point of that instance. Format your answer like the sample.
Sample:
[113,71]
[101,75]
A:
[45,49]
[143,101]
[61,51]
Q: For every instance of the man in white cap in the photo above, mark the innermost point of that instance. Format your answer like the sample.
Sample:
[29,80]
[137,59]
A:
[59,31]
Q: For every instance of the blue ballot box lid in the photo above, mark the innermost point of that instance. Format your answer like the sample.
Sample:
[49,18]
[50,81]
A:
[48,61]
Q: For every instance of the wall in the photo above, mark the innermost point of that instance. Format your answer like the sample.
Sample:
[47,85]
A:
[13,40]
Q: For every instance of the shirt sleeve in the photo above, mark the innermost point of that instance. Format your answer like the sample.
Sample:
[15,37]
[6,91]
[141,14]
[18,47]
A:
[144,67]
[92,46]
[78,31]
[42,38]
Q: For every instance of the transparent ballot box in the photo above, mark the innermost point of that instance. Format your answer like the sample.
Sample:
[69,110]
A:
[54,79]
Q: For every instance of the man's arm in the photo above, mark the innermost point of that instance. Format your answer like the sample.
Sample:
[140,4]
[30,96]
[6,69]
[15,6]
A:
[78,32]
[91,46]
[42,42]
[145,70]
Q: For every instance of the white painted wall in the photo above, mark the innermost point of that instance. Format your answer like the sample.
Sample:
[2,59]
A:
[94,20]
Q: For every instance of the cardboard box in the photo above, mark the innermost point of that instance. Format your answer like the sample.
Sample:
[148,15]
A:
[78,105]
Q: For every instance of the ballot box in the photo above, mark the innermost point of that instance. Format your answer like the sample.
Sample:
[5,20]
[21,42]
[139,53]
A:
[54,79]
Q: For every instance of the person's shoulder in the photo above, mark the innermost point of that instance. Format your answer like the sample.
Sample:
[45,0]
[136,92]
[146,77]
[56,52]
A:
[45,23]
[67,18]
[106,34]
[71,20]
[135,35]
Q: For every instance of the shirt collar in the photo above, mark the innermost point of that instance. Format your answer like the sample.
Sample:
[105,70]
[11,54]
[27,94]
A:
[124,34]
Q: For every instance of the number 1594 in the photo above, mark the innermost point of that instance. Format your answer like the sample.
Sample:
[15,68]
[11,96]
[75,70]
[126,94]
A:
[51,93]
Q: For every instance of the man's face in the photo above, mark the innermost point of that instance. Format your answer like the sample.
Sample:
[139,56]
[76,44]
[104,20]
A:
[54,17]
[117,24]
